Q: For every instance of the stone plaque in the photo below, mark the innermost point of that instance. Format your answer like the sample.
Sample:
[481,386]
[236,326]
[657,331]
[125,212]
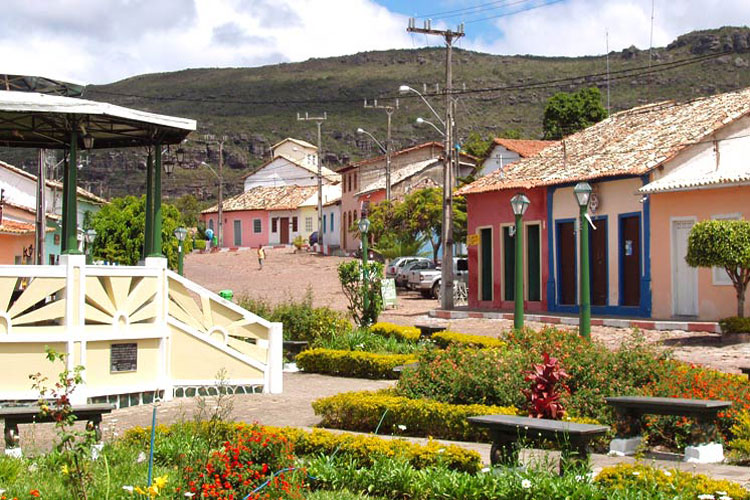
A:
[123,357]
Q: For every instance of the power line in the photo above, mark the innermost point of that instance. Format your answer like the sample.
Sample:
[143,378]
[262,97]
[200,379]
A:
[532,7]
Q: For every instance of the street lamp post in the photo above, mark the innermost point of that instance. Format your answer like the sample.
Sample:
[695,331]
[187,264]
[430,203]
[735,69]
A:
[180,233]
[364,227]
[422,121]
[89,236]
[583,194]
[519,203]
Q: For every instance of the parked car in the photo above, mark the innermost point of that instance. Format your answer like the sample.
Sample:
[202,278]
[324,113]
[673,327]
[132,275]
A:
[402,275]
[393,266]
[428,281]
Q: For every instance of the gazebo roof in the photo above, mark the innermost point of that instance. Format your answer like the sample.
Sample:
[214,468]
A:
[30,119]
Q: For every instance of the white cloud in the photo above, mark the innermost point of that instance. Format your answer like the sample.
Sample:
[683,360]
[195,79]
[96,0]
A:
[95,41]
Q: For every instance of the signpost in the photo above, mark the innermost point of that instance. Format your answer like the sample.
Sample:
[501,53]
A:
[388,290]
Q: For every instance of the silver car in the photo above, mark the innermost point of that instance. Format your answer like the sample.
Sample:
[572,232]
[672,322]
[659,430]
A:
[402,277]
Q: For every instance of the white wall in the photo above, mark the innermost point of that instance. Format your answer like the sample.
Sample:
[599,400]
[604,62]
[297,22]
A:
[309,156]
[332,237]
[281,172]
[498,158]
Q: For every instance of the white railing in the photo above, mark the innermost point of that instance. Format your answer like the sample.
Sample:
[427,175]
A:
[83,310]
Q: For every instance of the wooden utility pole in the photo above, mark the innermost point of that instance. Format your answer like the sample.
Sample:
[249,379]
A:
[220,176]
[389,109]
[319,121]
[446,271]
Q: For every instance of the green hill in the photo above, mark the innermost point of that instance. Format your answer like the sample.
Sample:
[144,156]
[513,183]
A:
[255,107]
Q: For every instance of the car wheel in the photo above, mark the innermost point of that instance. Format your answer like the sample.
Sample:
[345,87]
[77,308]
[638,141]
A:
[436,290]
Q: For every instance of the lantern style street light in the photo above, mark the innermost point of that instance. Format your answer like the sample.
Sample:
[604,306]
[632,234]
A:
[519,203]
[364,227]
[180,233]
[582,192]
[89,236]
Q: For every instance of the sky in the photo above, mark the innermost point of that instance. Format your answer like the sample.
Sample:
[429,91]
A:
[101,41]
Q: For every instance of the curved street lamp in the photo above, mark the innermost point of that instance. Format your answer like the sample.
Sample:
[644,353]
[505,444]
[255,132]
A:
[582,193]
[362,131]
[519,203]
[405,89]
[422,121]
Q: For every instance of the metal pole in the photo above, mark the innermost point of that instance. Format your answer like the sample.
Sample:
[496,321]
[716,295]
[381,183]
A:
[220,225]
[388,157]
[584,324]
[148,243]
[180,258]
[156,238]
[446,273]
[41,208]
[320,187]
[365,287]
[518,295]
[70,202]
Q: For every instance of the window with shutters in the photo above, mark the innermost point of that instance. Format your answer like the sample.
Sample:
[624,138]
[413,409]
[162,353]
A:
[257,226]
[294,224]
[331,222]
[308,224]
[274,224]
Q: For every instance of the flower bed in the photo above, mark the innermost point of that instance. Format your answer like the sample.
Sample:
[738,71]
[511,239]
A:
[352,363]
[368,411]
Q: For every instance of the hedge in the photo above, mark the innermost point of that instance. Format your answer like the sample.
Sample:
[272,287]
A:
[444,339]
[735,324]
[362,411]
[397,331]
[359,364]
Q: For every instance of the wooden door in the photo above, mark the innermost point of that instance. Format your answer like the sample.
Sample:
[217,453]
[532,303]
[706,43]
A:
[237,233]
[630,259]
[485,263]
[533,262]
[284,230]
[684,277]
[598,263]
[509,261]
[566,262]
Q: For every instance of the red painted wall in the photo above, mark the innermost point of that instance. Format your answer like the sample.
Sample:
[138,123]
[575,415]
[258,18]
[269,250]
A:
[493,209]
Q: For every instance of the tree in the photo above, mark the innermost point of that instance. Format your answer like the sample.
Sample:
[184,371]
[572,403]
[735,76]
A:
[725,244]
[120,231]
[566,113]
[190,208]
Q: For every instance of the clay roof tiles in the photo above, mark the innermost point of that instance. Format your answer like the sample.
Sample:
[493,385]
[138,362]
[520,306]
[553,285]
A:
[631,142]
[267,198]
[524,147]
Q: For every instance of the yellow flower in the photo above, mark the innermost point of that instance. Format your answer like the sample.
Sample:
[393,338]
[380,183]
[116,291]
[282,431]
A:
[64,469]
[161,481]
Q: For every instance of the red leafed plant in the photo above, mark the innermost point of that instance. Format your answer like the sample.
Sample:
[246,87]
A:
[547,384]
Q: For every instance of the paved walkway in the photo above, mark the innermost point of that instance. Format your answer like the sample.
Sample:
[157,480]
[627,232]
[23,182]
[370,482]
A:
[293,408]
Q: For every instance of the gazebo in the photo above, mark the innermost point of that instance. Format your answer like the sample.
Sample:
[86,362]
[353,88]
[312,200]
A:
[137,330]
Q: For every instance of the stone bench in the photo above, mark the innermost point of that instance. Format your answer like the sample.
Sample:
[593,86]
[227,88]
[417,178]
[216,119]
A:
[426,331]
[407,366]
[630,410]
[12,416]
[510,432]
[745,370]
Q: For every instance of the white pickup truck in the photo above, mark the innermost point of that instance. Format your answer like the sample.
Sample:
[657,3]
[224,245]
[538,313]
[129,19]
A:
[427,281]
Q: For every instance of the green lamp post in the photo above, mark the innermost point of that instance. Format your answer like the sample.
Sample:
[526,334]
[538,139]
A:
[364,227]
[89,236]
[519,203]
[180,233]
[583,194]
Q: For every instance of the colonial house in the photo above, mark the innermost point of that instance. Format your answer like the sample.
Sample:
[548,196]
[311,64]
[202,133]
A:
[293,162]
[503,152]
[620,157]
[363,182]
[263,216]
[19,195]
[308,213]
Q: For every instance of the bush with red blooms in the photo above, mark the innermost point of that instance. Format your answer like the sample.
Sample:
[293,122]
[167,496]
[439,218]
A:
[242,464]
[547,384]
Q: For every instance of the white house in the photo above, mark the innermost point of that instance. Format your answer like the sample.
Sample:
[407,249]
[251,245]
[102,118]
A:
[506,151]
[331,216]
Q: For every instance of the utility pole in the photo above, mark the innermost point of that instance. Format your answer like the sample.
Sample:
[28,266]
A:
[446,272]
[388,147]
[41,207]
[220,225]
[319,121]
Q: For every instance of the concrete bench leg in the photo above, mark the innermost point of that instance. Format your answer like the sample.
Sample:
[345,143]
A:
[12,440]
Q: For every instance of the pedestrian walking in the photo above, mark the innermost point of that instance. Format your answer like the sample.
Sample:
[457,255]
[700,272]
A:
[261,257]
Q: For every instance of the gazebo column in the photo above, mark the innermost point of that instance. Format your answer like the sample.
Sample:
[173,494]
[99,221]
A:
[70,202]
[148,243]
[157,219]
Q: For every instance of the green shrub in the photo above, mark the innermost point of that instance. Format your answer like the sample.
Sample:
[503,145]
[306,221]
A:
[739,445]
[362,411]
[364,449]
[444,339]
[199,244]
[352,363]
[351,274]
[391,330]
[260,307]
[363,339]
[638,477]
[735,324]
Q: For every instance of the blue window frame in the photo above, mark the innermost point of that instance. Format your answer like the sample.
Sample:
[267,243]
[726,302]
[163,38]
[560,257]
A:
[331,222]
[324,223]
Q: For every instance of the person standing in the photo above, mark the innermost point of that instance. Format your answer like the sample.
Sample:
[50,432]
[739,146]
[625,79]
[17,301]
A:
[261,257]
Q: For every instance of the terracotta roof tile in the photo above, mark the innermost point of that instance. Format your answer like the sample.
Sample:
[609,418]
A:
[631,142]
[524,147]
[267,198]
[57,185]
[13,227]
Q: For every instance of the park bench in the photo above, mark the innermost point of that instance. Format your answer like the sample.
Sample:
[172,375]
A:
[12,416]
[630,409]
[426,331]
[510,432]
[745,370]
[401,368]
